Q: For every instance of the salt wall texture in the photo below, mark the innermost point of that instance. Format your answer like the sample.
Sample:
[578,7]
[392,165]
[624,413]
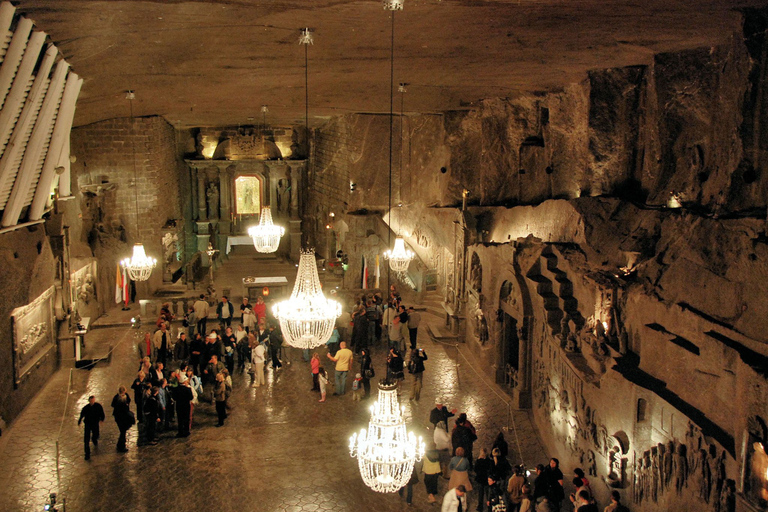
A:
[107,225]
[615,249]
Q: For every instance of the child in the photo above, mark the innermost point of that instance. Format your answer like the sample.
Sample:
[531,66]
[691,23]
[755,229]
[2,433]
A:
[357,388]
[315,364]
[323,381]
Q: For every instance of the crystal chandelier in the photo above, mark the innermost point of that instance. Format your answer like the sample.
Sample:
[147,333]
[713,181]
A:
[307,318]
[399,257]
[385,452]
[266,236]
[139,266]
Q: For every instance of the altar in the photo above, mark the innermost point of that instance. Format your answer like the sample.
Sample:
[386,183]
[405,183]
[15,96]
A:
[254,287]
[238,240]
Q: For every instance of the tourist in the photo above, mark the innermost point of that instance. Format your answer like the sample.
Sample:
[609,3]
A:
[220,395]
[366,370]
[482,473]
[247,316]
[463,437]
[183,396]
[333,342]
[502,445]
[196,349]
[323,380]
[455,500]
[387,319]
[576,497]
[440,414]
[190,322]
[147,349]
[343,360]
[241,337]
[275,346]
[314,364]
[459,467]
[373,316]
[587,503]
[500,468]
[151,415]
[181,348]
[229,341]
[91,415]
[357,388]
[224,312]
[414,319]
[525,501]
[416,368]
[616,506]
[394,367]
[260,310]
[124,418]
[258,358]
[343,324]
[495,494]
[515,489]
[359,328]
[579,473]
[408,487]
[157,374]
[139,386]
[556,489]
[540,484]
[201,313]
[432,471]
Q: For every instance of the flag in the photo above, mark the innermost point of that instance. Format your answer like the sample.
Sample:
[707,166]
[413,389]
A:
[126,283]
[377,272]
[118,285]
[364,284]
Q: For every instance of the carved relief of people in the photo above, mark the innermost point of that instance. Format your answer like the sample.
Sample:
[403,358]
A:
[591,463]
[637,483]
[212,193]
[655,474]
[476,274]
[728,497]
[693,445]
[719,474]
[481,326]
[705,476]
[680,464]
[565,328]
[668,463]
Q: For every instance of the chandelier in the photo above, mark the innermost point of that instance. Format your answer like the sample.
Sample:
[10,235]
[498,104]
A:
[266,236]
[399,257]
[139,266]
[307,318]
[385,452]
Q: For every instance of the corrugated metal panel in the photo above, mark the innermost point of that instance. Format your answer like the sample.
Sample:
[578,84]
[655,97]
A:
[5,192]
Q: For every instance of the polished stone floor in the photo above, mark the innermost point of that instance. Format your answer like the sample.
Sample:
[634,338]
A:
[280,449]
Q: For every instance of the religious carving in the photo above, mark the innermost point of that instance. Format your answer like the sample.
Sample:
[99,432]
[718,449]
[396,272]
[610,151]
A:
[476,274]
[33,332]
[481,326]
[422,240]
[705,476]
[680,464]
[212,194]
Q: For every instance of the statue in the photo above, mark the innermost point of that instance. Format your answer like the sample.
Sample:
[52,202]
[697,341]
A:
[705,476]
[213,201]
[680,463]
[668,464]
[591,463]
[565,329]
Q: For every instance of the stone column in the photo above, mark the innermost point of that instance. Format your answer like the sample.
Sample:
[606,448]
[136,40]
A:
[295,239]
[522,394]
[201,199]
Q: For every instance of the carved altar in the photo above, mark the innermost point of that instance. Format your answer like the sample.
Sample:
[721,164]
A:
[220,212]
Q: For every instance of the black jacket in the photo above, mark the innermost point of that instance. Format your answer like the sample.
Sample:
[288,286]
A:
[91,414]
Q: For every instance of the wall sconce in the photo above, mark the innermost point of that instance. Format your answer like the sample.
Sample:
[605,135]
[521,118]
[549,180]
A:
[265,291]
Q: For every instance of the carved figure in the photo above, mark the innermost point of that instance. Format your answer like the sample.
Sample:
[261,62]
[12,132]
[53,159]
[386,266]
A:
[655,474]
[623,342]
[705,476]
[693,445]
[591,463]
[481,326]
[728,497]
[571,342]
[680,463]
[637,483]
[668,464]
[213,201]
[565,329]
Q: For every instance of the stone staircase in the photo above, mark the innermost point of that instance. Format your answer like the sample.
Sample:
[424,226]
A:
[434,318]
[556,291]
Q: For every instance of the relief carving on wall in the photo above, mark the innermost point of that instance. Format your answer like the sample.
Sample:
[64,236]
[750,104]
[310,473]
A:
[33,333]
[83,285]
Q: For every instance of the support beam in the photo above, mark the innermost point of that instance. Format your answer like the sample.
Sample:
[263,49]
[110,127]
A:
[28,169]
[7,10]
[58,146]
[16,143]
[15,100]
[13,56]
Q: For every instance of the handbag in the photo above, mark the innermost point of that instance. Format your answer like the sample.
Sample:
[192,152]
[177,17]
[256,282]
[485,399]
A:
[370,373]
[131,418]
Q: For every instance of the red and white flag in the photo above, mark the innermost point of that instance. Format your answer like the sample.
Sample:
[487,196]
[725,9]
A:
[118,285]
[126,283]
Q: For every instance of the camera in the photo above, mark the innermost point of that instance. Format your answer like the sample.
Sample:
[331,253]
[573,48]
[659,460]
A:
[51,505]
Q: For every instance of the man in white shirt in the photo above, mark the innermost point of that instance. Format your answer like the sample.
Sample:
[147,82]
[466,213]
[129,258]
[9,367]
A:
[414,319]
[455,500]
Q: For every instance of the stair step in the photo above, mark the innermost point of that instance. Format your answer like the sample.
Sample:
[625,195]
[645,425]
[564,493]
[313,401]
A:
[438,333]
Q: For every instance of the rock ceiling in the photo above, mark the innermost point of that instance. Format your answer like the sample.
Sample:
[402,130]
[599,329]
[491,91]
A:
[216,62]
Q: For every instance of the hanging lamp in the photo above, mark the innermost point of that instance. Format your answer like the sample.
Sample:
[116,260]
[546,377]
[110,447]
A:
[266,236]
[307,318]
[139,266]
[399,258]
[386,452]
